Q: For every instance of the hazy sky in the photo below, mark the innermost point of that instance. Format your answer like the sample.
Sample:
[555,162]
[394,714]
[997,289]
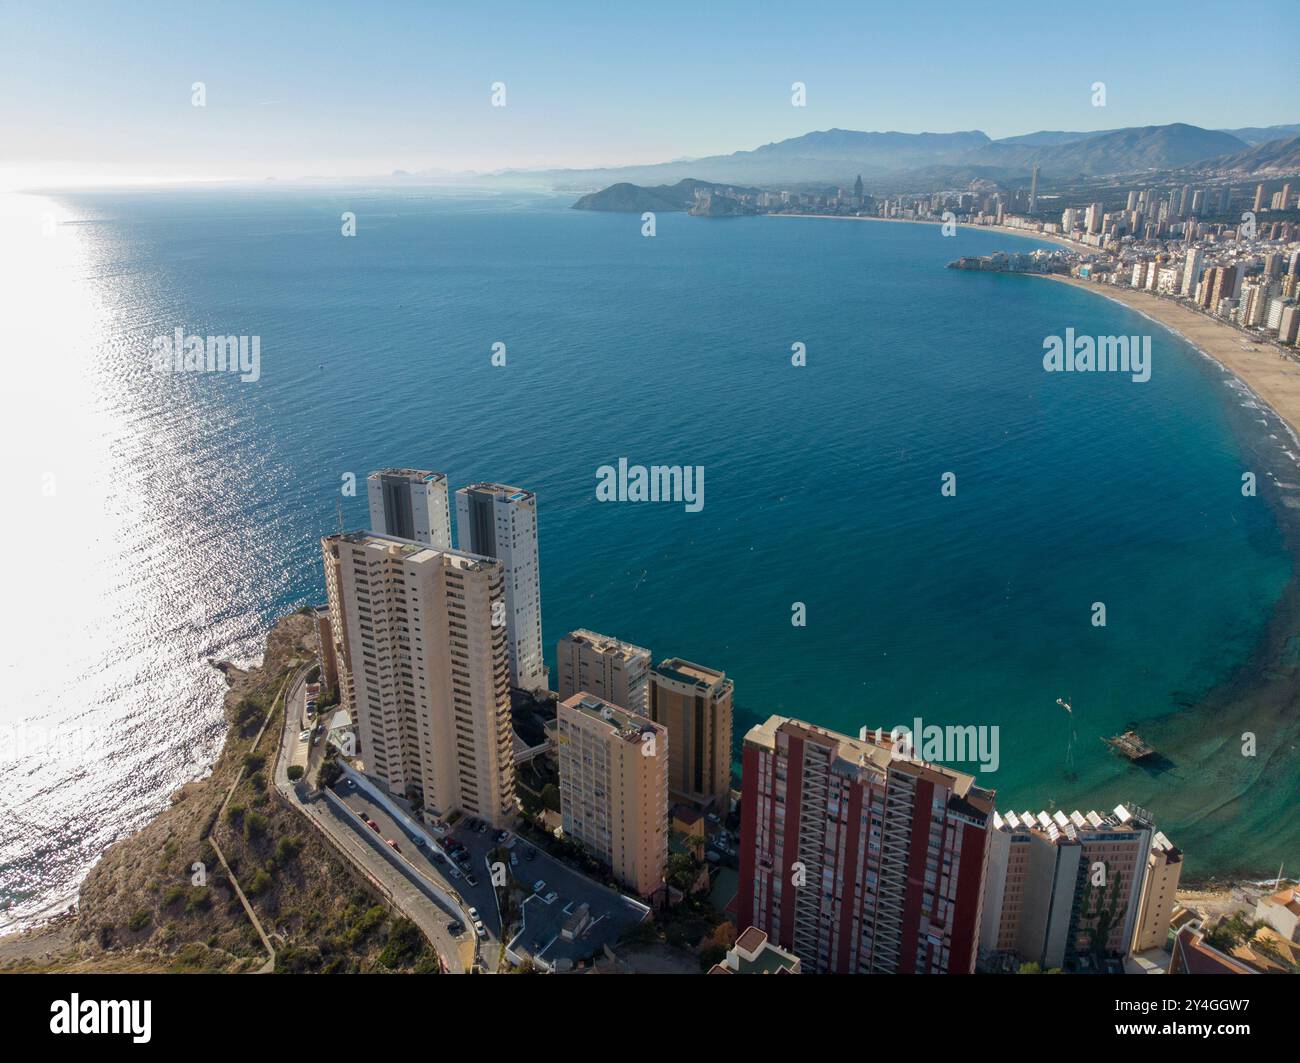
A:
[102,91]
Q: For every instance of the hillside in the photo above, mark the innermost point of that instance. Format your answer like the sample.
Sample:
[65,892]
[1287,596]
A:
[631,198]
[1275,156]
[1119,151]
[140,910]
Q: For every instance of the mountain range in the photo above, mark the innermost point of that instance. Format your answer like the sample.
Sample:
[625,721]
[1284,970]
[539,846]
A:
[836,156]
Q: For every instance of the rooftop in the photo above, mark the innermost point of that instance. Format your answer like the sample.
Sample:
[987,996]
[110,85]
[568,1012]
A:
[853,756]
[692,674]
[1057,826]
[607,643]
[410,550]
[422,475]
[501,492]
[625,724]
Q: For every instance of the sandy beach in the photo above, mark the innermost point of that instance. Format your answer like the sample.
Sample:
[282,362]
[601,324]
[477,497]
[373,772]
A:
[1270,374]
[1023,234]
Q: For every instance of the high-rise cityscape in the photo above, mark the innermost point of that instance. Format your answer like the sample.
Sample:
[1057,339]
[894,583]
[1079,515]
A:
[410,504]
[607,667]
[423,670]
[857,857]
[498,521]
[694,703]
[613,767]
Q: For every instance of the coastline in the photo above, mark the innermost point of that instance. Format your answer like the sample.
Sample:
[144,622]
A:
[1273,378]
[1260,694]
[1022,234]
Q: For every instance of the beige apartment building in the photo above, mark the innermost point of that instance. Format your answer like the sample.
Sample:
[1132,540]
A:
[423,671]
[614,787]
[694,704]
[597,664]
[1063,887]
[1159,894]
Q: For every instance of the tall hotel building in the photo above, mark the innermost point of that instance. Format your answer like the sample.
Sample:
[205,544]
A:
[501,522]
[613,768]
[856,860]
[423,671]
[410,504]
[694,704]
[1159,894]
[610,669]
[1060,887]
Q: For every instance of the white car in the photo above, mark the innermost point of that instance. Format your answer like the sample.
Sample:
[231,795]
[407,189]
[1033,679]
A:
[480,929]
[550,897]
[304,735]
[473,915]
[539,885]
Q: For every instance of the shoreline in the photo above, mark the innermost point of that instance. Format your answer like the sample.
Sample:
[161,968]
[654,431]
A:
[1023,234]
[1270,376]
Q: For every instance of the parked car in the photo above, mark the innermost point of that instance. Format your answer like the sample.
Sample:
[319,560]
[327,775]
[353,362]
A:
[482,828]
[480,930]
[539,885]
[304,735]
[374,826]
[393,844]
[437,857]
[500,836]
[514,859]
[550,897]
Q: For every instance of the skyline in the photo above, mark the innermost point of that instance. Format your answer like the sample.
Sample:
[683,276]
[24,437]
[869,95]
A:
[307,92]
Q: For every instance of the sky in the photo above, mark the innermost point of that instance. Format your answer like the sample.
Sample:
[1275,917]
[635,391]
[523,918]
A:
[101,92]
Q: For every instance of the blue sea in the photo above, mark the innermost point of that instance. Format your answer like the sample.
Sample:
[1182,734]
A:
[186,510]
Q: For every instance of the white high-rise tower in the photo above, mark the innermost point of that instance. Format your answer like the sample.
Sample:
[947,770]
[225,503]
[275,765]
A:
[410,504]
[499,521]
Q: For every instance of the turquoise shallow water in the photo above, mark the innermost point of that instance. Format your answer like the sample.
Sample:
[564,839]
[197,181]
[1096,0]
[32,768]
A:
[822,486]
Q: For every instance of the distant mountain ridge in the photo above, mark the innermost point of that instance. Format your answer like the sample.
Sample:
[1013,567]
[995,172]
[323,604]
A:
[1118,151]
[837,156]
[1273,156]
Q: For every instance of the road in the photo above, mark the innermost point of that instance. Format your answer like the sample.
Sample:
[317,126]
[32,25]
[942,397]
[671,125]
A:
[379,868]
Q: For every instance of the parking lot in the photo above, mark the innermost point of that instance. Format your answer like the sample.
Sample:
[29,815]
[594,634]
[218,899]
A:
[610,912]
[464,854]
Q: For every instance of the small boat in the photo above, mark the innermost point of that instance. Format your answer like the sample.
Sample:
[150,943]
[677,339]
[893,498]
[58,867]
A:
[1130,745]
